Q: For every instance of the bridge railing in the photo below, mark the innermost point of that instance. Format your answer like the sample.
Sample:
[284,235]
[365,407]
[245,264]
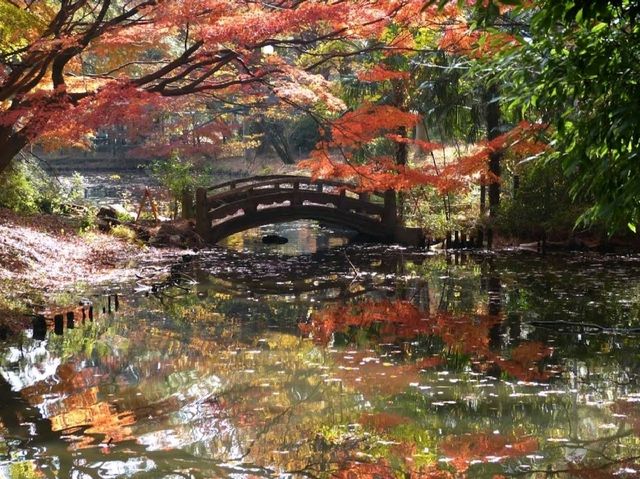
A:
[267,181]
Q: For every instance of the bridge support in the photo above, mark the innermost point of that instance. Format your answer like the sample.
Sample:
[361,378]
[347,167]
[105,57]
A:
[390,213]
[409,236]
[203,225]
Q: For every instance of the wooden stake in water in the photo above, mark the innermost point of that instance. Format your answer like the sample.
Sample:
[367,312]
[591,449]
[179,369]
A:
[39,327]
[58,324]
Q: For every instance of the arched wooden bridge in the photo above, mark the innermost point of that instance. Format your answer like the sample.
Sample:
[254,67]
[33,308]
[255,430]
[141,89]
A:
[238,205]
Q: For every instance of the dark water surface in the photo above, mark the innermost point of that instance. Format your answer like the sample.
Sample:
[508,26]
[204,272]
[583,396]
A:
[341,361]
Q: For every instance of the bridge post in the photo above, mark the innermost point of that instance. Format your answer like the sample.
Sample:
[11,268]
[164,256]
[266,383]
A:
[250,207]
[296,199]
[202,213]
[390,213]
[187,204]
[364,197]
[342,201]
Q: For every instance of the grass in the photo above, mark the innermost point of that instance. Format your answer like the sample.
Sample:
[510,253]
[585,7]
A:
[125,233]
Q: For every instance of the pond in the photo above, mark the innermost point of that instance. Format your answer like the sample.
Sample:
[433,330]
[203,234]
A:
[319,359]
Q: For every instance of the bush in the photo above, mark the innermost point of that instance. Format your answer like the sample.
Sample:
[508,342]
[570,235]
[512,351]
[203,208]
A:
[124,232]
[178,176]
[89,219]
[175,174]
[18,189]
[26,188]
[541,204]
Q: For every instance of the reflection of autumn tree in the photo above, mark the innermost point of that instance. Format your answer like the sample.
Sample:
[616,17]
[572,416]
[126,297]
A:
[384,366]
[467,335]
[484,447]
[396,319]
[260,398]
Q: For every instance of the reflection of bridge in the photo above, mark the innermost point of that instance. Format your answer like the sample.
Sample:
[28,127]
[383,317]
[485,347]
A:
[238,205]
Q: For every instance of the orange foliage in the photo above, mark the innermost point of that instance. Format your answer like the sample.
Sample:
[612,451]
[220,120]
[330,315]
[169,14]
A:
[461,39]
[382,421]
[380,73]
[369,121]
[393,320]
[465,334]
[379,174]
[370,375]
[364,470]
[430,471]
[484,446]
[524,360]
[398,319]
[426,146]
[520,142]
[223,53]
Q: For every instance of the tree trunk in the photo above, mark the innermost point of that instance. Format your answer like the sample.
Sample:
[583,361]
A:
[10,145]
[402,154]
[493,131]
[277,137]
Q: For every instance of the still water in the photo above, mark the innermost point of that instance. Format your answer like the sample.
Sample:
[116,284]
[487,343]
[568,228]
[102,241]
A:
[317,359]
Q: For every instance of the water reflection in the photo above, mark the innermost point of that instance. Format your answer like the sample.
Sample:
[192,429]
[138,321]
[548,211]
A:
[303,237]
[350,362]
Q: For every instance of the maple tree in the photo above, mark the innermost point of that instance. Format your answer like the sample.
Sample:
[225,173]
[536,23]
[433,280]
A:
[398,94]
[175,75]
[67,68]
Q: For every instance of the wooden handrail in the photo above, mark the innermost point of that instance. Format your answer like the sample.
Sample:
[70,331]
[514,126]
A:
[236,182]
[277,185]
[255,181]
[316,197]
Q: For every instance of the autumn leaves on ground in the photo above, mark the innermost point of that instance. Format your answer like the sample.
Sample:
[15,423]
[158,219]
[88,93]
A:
[43,255]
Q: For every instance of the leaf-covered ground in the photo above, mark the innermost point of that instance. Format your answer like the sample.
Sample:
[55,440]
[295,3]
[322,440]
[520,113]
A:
[41,255]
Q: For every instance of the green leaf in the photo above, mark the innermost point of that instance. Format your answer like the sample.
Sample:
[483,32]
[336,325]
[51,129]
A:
[599,27]
[632,227]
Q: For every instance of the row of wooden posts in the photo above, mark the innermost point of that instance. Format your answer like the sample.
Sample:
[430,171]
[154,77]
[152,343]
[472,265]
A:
[87,312]
[462,239]
[476,239]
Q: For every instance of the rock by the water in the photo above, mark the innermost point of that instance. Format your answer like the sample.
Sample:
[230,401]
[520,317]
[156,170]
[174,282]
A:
[274,239]
[176,233]
[107,218]
[106,212]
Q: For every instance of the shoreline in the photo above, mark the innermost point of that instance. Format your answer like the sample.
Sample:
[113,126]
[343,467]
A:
[43,255]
